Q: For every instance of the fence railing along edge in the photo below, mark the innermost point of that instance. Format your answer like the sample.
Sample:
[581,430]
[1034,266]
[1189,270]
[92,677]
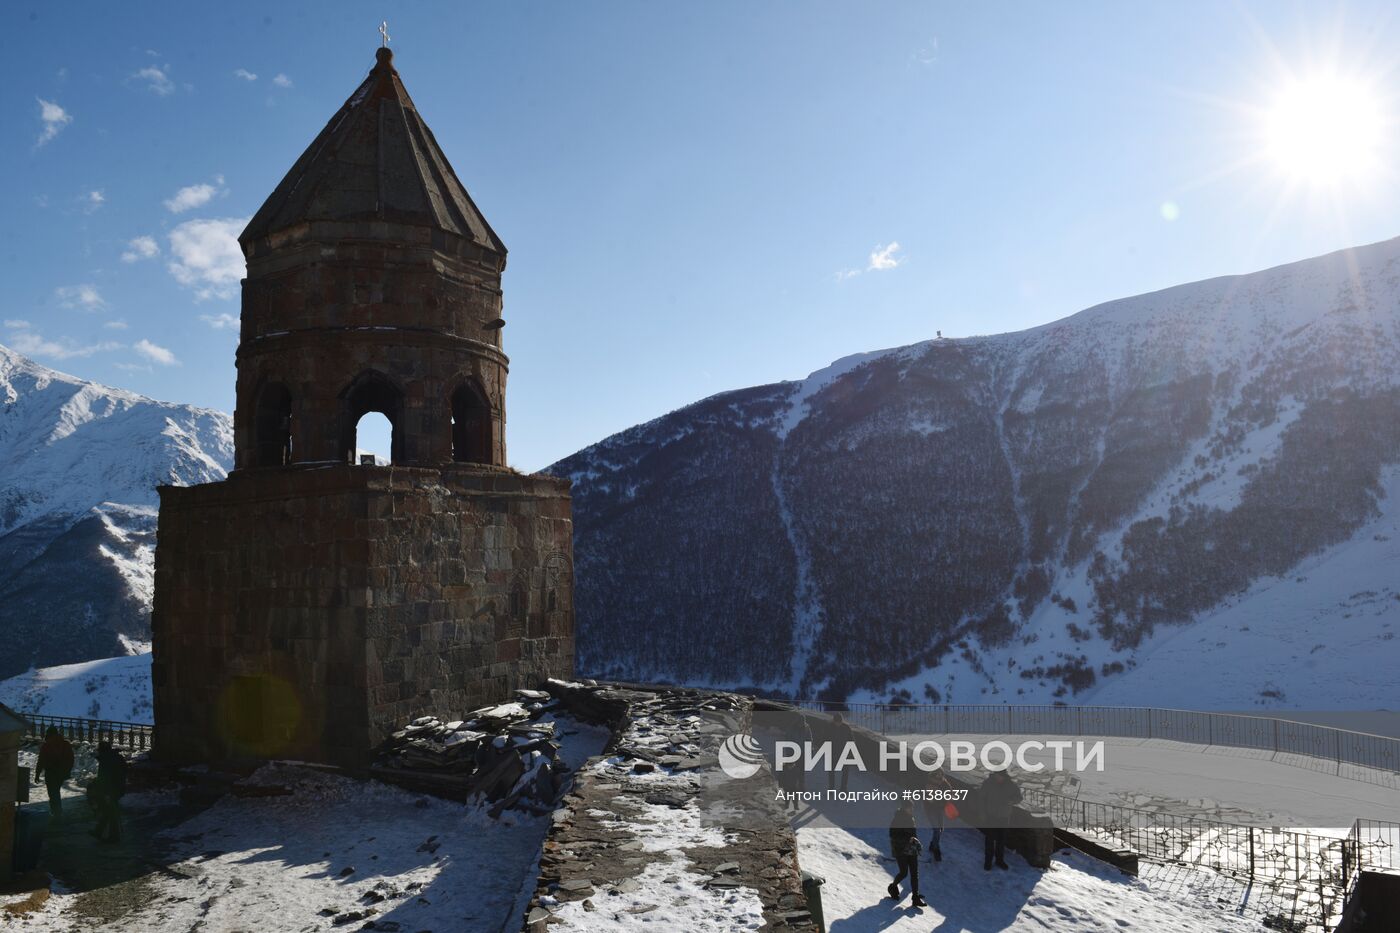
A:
[1232,730]
[130,735]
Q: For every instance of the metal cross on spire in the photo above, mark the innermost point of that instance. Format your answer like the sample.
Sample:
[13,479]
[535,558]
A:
[384,34]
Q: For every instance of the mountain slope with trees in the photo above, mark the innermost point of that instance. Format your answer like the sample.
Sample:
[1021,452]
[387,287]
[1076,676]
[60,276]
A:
[1018,517]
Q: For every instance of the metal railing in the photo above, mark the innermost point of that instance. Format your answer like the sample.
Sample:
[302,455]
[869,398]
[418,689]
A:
[1280,736]
[131,735]
[1313,874]
[1373,845]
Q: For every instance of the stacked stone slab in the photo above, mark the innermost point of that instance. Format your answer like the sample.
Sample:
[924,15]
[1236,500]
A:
[309,605]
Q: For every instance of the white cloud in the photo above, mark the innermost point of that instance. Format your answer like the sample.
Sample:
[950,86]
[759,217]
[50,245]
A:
[223,321]
[141,247]
[282,80]
[85,297]
[54,118]
[207,257]
[134,367]
[192,196]
[884,258]
[245,74]
[157,81]
[16,324]
[154,353]
[115,325]
[30,343]
[93,200]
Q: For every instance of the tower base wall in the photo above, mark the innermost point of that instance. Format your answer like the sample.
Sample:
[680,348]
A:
[307,612]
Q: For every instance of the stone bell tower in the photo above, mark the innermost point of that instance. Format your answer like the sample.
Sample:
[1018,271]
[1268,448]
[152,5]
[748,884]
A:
[309,604]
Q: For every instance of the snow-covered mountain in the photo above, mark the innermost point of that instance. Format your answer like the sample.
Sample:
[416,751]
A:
[1178,498]
[79,466]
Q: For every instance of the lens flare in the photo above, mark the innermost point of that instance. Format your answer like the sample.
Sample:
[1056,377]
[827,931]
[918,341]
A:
[1326,130]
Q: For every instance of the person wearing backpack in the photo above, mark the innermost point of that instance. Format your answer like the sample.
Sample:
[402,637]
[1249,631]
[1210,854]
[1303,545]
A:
[55,764]
[905,847]
[107,791]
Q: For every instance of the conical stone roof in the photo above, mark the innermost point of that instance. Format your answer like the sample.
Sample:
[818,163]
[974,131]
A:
[376,160]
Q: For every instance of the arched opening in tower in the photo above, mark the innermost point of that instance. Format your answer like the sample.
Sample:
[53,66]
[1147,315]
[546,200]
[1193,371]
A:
[374,434]
[367,395]
[272,426]
[471,424]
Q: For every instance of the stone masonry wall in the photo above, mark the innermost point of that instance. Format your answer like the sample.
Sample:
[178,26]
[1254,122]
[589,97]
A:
[9,762]
[320,315]
[306,613]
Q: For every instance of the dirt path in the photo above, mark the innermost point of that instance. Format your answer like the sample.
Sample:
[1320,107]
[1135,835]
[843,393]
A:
[110,880]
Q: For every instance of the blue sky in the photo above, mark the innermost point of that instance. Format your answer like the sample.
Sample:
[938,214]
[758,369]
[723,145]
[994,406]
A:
[695,197]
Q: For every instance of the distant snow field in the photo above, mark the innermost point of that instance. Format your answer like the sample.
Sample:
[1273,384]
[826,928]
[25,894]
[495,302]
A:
[116,689]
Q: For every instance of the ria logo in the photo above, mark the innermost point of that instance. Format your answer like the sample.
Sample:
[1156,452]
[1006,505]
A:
[740,756]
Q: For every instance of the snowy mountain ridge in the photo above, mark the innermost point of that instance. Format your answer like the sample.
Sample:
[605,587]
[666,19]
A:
[1045,500]
[79,466]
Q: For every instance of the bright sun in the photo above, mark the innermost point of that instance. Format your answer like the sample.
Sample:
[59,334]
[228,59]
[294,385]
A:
[1326,130]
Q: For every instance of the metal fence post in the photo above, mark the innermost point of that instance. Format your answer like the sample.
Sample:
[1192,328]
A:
[1251,853]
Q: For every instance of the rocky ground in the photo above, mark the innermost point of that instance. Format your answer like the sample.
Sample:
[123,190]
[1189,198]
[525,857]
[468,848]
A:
[654,835]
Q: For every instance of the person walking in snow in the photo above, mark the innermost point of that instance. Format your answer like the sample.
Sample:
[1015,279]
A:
[55,764]
[107,790]
[792,777]
[995,798]
[936,813]
[840,735]
[904,846]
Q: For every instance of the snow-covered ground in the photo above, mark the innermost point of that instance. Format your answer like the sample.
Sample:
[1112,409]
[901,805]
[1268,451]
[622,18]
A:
[335,846]
[847,844]
[671,891]
[117,689]
[1076,893]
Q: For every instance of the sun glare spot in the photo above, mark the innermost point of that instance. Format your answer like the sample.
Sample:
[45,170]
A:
[1326,130]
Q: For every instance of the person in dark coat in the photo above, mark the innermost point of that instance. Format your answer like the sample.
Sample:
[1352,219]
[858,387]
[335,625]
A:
[55,764]
[107,790]
[995,798]
[904,846]
[840,734]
